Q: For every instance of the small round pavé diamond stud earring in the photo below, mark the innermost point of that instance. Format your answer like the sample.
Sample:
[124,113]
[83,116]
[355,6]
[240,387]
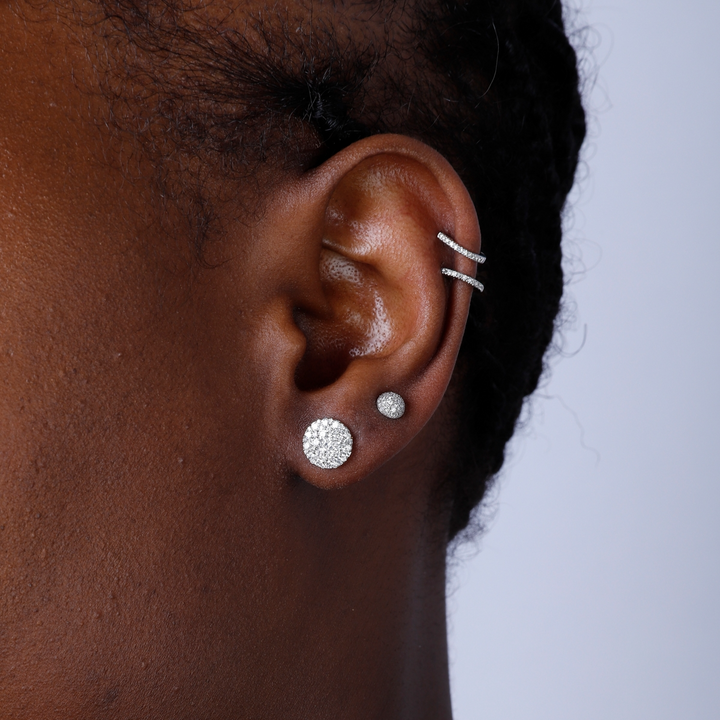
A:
[327,443]
[391,405]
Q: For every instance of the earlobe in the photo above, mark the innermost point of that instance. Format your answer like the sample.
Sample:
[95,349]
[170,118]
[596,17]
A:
[382,322]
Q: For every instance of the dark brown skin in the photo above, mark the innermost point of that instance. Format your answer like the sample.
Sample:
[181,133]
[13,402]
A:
[166,550]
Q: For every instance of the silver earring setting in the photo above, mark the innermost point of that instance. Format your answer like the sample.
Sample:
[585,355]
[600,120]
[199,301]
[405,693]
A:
[327,443]
[391,405]
[477,257]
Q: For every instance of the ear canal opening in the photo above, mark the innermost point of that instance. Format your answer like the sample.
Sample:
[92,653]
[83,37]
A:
[326,356]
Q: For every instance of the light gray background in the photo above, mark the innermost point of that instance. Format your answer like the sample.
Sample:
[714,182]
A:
[595,594]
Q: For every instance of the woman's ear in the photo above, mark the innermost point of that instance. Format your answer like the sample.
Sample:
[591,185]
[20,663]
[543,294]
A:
[351,274]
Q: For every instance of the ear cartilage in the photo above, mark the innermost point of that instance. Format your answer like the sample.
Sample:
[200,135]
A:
[391,405]
[327,443]
[477,257]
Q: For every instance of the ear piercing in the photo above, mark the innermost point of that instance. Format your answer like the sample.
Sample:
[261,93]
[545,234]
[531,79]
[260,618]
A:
[477,257]
[391,405]
[327,443]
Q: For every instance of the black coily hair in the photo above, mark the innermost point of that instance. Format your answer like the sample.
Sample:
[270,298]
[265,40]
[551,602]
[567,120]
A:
[516,145]
[493,85]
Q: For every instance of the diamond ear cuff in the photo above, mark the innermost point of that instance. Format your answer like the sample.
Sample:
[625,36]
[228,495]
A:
[327,443]
[391,405]
[477,257]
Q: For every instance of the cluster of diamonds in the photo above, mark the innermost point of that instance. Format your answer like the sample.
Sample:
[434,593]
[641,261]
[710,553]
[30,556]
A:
[327,443]
[391,405]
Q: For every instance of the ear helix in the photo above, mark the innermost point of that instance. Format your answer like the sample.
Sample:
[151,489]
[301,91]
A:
[328,443]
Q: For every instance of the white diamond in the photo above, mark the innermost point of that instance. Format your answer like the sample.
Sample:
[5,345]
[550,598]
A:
[391,405]
[327,443]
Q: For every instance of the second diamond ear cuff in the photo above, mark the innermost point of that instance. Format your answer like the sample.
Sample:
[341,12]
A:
[391,405]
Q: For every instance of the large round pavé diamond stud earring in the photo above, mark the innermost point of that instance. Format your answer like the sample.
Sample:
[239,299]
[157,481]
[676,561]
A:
[327,443]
